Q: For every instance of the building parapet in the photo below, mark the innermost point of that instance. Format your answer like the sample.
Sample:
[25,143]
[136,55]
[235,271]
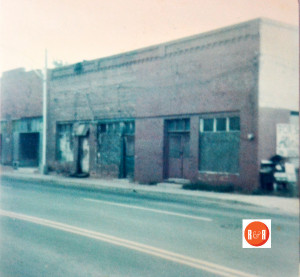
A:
[231,34]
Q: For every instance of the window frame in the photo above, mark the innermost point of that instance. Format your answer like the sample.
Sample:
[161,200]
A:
[227,128]
[186,125]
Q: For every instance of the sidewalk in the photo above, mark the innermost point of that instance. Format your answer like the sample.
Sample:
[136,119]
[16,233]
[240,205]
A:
[167,190]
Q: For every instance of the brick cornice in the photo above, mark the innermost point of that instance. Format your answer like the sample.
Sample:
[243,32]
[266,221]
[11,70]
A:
[201,42]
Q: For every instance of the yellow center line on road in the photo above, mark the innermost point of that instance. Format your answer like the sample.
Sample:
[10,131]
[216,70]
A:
[149,209]
[150,250]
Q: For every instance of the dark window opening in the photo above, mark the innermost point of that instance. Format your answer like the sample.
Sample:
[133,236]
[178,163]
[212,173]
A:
[221,124]
[178,125]
[208,125]
[234,123]
[127,127]
[101,128]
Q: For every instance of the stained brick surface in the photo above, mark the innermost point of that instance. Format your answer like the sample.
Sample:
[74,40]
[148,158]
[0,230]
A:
[213,73]
[21,94]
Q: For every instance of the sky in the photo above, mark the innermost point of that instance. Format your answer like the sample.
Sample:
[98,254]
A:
[76,30]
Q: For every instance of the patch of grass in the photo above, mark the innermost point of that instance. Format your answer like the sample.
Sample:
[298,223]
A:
[148,184]
[209,187]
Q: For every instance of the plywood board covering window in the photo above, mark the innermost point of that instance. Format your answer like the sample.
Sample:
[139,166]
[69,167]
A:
[64,151]
[219,143]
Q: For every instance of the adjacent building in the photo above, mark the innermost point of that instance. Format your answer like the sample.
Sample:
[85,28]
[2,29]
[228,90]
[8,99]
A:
[21,118]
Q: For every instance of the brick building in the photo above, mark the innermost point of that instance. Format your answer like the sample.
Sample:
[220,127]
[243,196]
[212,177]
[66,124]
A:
[21,118]
[203,108]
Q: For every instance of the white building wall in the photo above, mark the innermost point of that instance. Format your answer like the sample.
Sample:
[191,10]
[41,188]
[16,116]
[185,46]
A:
[279,66]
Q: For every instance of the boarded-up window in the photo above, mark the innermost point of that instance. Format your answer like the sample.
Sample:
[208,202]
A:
[219,143]
[110,141]
[64,149]
[208,125]
[109,148]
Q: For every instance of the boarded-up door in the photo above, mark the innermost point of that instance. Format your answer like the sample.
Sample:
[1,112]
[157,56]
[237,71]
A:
[178,154]
[84,155]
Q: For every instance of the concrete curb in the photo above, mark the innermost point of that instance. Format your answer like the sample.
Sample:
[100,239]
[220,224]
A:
[167,193]
[87,184]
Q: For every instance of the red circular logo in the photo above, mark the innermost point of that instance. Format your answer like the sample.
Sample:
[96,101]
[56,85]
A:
[256,233]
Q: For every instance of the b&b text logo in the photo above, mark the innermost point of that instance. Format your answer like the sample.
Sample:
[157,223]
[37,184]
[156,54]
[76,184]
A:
[256,233]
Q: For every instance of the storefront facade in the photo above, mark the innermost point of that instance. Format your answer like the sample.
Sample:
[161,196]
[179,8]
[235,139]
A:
[188,109]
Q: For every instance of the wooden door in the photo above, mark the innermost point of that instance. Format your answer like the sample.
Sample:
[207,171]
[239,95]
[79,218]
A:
[178,154]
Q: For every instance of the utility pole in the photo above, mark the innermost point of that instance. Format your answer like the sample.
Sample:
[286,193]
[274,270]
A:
[44,165]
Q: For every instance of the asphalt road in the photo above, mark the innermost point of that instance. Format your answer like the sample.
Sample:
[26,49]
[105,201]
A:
[48,231]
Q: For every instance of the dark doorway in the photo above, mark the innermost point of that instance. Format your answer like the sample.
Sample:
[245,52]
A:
[29,149]
[128,156]
[177,148]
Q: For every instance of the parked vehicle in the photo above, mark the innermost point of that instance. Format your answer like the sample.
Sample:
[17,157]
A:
[273,174]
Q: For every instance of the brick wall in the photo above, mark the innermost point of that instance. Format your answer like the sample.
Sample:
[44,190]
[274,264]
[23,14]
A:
[212,73]
[21,97]
[149,145]
[208,73]
[21,94]
[220,78]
